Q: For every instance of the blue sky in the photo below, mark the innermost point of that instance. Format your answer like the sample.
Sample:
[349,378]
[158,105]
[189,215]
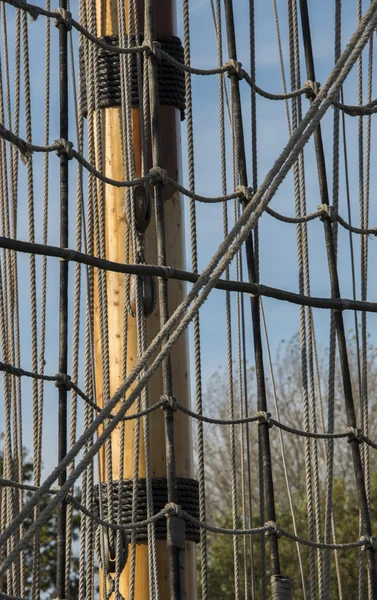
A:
[278,242]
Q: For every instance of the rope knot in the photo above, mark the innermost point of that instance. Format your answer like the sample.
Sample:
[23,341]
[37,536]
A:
[246,193]
[169,402]
[63,17]
[173,510]
[158,175]
[234,67]
[63,380]
[370,542]
[328,212]
[64,147]
[154,48]
[354,434]
[273,528]
[311,89]
[264,417]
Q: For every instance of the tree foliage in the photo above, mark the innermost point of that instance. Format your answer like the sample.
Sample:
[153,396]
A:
[47,543]
[218,466]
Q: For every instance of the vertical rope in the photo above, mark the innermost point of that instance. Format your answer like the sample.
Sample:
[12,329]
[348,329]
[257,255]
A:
[332,344]
[294,59]
[335,290]
[194,266]
[176,553]
[364,219]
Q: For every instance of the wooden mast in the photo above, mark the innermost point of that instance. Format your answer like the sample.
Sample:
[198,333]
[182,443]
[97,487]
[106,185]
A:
[107,24]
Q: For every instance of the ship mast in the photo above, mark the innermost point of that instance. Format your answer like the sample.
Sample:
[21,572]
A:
[173,377]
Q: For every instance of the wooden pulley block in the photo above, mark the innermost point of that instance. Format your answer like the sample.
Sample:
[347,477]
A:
[142,206]
[148,293]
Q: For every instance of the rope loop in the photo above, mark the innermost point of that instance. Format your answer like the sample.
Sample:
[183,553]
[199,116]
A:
[234,67]
[169,402]
[64,147]
[264,417]
[354,434]
[273,528]
[63,17]
[311,89]
[247,193]
[158,175]
[328,212]
[63,380]
[370,542]
[173,510]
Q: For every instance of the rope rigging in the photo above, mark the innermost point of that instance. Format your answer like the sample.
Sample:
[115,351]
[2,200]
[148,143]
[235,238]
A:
[143,481]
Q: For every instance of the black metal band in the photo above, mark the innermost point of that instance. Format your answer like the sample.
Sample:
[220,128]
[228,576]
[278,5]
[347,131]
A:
[188,499]
[171,81]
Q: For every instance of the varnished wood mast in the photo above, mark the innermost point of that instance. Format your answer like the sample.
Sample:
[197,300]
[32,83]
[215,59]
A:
[107,24]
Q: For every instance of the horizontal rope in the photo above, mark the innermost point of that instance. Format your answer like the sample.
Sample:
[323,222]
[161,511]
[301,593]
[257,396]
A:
[123,505]
[155,175]
[200,291]
[263,417]
[62,379]
[254,289]
[230,67]
[258,417]
[172,509]
[357,111]
[309,88]
[154,48]
[320,214]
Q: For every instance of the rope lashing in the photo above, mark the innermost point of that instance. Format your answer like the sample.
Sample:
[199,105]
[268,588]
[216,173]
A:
[281,588]
[154,48]
[63,17]
[247,193]
[260,291]
[328,212]
[354,434]
[63,380]
[173,510]
[370,542]
[345,305]
[311,89]
[273,528]
[71,255]
[122,504]
[158,175]
[64,147]
[234,67]
[264,417]
[171,79]
[170,402]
